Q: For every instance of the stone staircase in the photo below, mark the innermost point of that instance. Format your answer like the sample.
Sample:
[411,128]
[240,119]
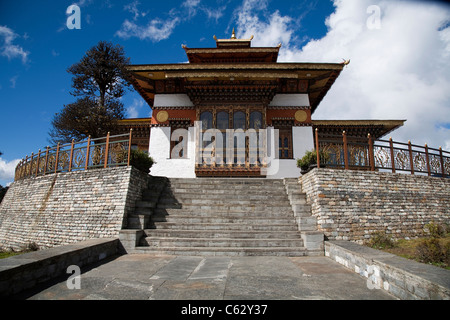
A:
[223,216]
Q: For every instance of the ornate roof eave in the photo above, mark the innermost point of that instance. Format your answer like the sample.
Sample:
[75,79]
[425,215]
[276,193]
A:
[240,66]
[141,91]
[315,101]
[222,74]
[232,50]
[386,125]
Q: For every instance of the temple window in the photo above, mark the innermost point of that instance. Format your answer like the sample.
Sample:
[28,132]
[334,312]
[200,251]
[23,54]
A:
[222,122]
[256,120]
[207,120]
[239,120]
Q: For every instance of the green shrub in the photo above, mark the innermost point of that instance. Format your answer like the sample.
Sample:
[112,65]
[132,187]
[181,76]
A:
[310,158]
[380,240]
[436,230]
[430,251]
[141,160]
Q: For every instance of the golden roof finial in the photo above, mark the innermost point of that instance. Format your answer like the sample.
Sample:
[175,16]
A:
[233,34]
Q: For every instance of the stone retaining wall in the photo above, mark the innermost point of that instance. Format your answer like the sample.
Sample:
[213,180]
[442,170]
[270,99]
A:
[64,208]
[404,279]
[27,270]
[351,205]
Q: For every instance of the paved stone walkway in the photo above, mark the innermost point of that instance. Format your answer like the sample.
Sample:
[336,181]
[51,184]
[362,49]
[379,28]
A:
[164,277]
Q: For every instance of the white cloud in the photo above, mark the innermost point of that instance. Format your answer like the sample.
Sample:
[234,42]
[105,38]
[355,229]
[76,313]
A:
[156,30]
[7,169]
[8,49]
[133,8]
[134,108]
[214,13]
[13,81]
[399,71]
[191,6]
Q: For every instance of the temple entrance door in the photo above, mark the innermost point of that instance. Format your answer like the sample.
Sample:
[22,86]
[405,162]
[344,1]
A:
[231,144]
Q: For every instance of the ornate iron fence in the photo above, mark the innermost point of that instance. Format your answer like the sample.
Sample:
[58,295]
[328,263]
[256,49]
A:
[366,154]
[88,154]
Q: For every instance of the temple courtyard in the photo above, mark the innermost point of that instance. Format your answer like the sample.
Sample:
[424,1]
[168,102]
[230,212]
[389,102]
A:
[169,277]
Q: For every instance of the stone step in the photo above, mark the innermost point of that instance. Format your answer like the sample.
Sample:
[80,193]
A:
[232,214]
[220,242]
[224,251]
[230,234]
[258,196]
[224,181]
[261,187]
[145,204]
[219,193]
[231,202]
[224,216]
[272,227]
[226,208]
[188,219]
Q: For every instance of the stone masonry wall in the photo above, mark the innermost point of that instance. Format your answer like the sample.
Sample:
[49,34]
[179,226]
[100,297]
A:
[351,205]
[64,208]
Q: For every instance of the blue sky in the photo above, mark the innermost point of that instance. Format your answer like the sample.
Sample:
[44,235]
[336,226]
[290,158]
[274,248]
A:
[409,50]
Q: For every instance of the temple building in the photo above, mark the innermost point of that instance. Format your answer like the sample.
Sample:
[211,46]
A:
[234,111]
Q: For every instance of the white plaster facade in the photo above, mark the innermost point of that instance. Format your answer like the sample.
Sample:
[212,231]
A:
[173,167]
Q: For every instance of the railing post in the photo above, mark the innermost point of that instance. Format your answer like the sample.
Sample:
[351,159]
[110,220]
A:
[442,162]
[105,165]
[317,147]
[129,147]
[17,171]
[46,160]
[87,152]
[428,160]
[411,161]
[37,162]
[391,145]
[57,157]
[345,150]
[371,156]
[71,156]
[31,165]
[22,167]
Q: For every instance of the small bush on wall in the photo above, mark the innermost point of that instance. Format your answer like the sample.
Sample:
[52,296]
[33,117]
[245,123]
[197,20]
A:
[310,159]
[141,160]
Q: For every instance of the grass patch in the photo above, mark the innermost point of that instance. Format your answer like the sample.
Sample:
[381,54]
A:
[432,249]
[11,252]
[7,254]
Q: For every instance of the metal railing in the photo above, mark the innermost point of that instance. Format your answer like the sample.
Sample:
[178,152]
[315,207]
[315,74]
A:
[347,152]
[109,151]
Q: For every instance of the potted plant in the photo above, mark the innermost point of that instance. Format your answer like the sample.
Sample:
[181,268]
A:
[309,160]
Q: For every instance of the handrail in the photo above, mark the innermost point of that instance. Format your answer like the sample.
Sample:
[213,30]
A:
[361,153]
[112,150]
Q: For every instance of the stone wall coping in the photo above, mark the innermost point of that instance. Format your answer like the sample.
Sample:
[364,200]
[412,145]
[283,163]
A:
[24,271]
[435,278]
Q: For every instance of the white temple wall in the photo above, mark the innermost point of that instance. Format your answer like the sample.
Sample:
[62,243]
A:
[185,168]
[302,141]
[159,150]
[172,100]
[290,100]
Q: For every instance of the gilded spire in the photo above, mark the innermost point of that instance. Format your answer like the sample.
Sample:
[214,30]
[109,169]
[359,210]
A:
[233,35]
